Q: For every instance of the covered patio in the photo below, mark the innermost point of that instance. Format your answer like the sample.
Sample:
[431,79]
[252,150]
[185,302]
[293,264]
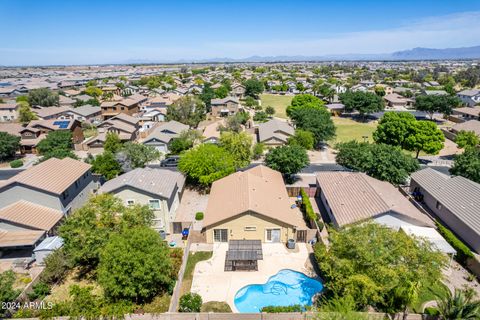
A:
[243,255]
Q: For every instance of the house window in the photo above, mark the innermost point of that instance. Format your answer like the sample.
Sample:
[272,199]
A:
[220,235]
[130,202]
[65,194]
[250,228]
[154,204]
[77,184]
[439,206]
[272,235]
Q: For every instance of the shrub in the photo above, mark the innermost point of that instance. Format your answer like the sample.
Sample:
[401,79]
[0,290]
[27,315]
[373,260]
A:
[431,311]
[56,267]
[279,309]
[463,252]
[258,150]
[159,304]
[16,163]
[216,306]
[199,216]
[307,207]
[320,225]
[40,291]
[190,302]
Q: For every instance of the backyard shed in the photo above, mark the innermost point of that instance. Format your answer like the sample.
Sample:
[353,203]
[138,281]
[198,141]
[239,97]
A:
[46,247]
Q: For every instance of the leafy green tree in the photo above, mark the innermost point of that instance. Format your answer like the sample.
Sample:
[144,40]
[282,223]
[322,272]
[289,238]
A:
[235,123]
[57,144]
[363,102]
[207,95]
[93,91]
[221,92]
[251,102]
[434,103]
[393,128]
[425,136]
[381,161]
[370,262]
[43,97]
[137,155]
[270,110]
[316,121]
[303,139]
[467,164]
[21,99]
[459,305]
[260,116]
[379,91]
[288,159]
[206,163]
[239,145]
[467,139]
[190,302]
[7,292]
[9,144]
[187,110]
[106,165]
[112,144]
[88,229]
[253,87]
[258,150]
[134,265]
[25,113]
[57,266]
[304,101]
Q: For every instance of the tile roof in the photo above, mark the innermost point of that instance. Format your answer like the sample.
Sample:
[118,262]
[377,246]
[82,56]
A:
[161,182]
[31,215]
[53,175]
[49,111]
[259,189]
[275,128]
[354,197]
[470,125]
[86,110]
[11,238]
[459,195]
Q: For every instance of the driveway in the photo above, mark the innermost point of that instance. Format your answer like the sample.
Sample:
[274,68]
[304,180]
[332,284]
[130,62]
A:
[214,284]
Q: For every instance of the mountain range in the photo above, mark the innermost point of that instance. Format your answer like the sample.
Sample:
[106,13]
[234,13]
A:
[412,54]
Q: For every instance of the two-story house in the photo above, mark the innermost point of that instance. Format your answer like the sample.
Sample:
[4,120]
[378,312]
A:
[160,189]
[225,107]
[8,112]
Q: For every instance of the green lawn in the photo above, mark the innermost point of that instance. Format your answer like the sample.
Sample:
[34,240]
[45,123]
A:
[348,129]
[193,259]
[279,103]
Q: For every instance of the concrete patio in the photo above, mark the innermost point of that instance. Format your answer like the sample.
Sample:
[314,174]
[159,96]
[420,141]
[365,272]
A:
[214,284]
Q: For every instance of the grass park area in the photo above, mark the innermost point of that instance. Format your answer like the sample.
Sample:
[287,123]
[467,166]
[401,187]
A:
[347,129]
[278,102]
[193,259]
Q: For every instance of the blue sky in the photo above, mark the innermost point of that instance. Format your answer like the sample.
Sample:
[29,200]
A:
[87,32]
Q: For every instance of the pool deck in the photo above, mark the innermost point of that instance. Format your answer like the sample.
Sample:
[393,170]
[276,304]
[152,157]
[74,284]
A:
[214,284]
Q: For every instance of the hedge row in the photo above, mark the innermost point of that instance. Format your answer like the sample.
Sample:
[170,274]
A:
[307,206]
[463,252]
[280,309]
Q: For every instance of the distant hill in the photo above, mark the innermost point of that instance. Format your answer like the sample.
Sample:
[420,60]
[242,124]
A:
[412,54]
[437,54]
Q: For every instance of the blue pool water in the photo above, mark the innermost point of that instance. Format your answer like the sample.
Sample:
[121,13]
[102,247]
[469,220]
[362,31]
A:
[286,288]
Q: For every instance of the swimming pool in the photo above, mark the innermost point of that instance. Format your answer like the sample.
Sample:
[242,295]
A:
[285,288]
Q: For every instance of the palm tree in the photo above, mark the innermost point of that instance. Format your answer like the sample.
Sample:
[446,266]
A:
[459,305]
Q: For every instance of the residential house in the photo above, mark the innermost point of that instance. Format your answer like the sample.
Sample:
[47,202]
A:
[46,126]
[85,113]
[160,189]
[238,90]
[469,97]
[113,108]
[455,200]
[8,112]
[466,113]
[336,108]
[225,107]
[162,135]
[65,101]
[59,184]
[48,113]
[125,126]
[354,197]
[397,102]
[260,208]
[211,132]
[470,125]
[274,132]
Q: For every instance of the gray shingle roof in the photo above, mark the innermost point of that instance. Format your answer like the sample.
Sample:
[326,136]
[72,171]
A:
[458,194]
[161,182]
[275,128]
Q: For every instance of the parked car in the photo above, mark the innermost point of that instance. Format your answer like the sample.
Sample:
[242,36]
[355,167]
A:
[170,162]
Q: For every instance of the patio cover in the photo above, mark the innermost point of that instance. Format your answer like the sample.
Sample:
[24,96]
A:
[432,236]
